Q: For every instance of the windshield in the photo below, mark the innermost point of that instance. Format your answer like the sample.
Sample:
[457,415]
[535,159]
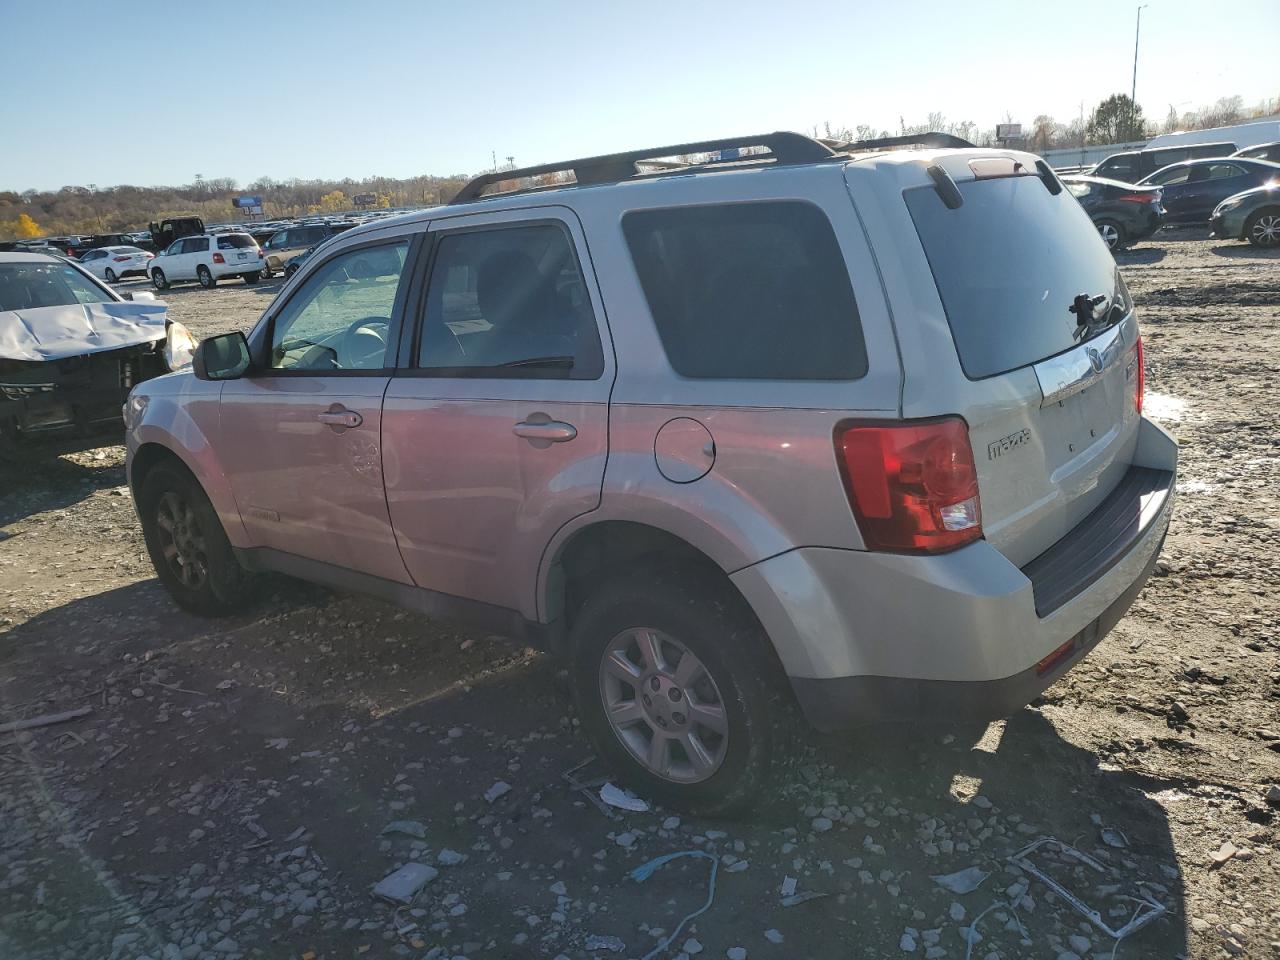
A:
[26,286]
[1009,264]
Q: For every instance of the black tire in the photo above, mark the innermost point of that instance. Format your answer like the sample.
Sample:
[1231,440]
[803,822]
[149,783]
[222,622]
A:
[706,617]
[251,278]
[111,275]
[290,270]
[159,280]
[206,278]
[267,272]
[1264,223]
[195,564]
[1112,234]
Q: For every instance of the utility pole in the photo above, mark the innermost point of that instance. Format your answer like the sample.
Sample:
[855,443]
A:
[1133,90]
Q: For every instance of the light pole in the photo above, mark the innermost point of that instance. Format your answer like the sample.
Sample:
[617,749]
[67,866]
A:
[1133,90]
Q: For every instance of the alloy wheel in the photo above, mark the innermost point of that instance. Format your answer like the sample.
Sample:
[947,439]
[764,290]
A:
[182,540]
[1110,235]
[1266,230]
[664,706]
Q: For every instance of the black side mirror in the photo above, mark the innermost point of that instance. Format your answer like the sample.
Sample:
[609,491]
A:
[224,357]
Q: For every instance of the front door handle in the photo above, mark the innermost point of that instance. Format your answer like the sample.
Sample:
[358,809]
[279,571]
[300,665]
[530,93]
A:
[552,430]
[338,416]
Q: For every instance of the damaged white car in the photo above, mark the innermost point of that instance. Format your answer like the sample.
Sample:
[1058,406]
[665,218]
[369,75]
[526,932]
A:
[71,349]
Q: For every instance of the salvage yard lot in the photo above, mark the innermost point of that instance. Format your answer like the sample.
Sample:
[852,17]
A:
[227,793]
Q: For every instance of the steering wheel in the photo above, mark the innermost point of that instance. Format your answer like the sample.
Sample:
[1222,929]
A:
[364,345]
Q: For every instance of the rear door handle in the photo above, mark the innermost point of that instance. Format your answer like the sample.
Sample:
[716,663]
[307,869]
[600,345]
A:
[340,418]
[552,430]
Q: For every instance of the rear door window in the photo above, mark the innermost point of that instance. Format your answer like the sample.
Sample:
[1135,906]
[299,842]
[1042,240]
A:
[748,291]
[1009,263]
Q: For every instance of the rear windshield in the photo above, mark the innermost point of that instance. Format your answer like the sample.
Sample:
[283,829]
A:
[1009,263]
[748,291]
[230,241]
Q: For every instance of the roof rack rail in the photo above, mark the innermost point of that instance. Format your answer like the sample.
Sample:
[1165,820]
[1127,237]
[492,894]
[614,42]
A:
[783,148]
[933,139]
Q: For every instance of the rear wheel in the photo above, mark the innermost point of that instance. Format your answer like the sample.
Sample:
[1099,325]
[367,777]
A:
[1112,234]
[251,278]
[187,545]
[1263,228]
[206,278]
[290,270]
[110,275]
[679,692]
[159,280]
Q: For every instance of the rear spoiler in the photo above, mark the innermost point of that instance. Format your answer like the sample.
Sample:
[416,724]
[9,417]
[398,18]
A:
[990,168]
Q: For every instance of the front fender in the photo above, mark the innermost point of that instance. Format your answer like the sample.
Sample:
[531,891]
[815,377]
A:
[180,414]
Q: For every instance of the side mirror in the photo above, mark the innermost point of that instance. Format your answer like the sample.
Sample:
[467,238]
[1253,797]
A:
[139,296]
[224,357]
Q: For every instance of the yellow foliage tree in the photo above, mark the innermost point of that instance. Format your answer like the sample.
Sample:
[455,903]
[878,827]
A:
[27,227]
[334,202]
[384,201]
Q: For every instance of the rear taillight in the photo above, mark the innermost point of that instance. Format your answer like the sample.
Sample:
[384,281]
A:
[913,486]
[1139,198]
[1139,376]
[218,258]
[121,259]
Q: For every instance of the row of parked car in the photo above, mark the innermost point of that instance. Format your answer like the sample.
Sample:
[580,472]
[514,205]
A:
[1133,194]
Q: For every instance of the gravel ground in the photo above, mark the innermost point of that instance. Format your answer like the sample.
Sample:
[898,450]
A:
[230,790]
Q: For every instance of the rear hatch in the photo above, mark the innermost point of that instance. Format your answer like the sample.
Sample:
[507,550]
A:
[1043,329]
[239,248]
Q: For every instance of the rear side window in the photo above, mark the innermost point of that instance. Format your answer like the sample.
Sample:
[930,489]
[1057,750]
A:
[749,291]
[1009,263]
[234,241]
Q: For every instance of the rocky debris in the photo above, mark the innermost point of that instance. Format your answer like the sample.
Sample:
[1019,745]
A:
[401,886]
[499,789]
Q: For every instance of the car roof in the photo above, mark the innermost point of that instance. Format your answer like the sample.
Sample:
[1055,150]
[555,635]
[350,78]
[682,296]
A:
[15,257]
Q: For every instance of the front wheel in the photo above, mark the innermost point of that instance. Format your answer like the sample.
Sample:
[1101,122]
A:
[188,547]
[1112,234]
[110,275]
[679,692]
[206,278]
[1263,228]
[159,280]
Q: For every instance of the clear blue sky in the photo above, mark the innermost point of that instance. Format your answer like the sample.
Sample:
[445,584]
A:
[106,92]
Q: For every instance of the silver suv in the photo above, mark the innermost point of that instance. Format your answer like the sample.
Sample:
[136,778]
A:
[781,422]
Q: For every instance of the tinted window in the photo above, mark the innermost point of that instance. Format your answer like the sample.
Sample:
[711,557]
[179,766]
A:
[751,291]
[1173,175]
[26,286]
[510,302]
[279,240]
[1221,171]
[1162,158]
[1117,167]
[235,241]
[1009,263]
[341,317]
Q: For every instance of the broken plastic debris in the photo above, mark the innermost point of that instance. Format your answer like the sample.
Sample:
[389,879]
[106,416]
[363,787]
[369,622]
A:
[403,885]
[645,871]
[410,828]
[499,789]
[962,881]
[610,943]
[800,898]
[623,799]
[788,886]
[1114,838]
[1147,909]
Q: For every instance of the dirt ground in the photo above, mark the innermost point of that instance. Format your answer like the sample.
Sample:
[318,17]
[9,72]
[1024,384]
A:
[229,791]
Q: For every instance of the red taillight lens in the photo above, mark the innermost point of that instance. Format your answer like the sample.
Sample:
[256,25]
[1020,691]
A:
[120,259]
[1139,198]
[1140,376]
[914,486]
[218,258]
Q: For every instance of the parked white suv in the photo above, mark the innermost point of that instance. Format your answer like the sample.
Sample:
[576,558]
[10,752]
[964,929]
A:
[824,425]
[208,258]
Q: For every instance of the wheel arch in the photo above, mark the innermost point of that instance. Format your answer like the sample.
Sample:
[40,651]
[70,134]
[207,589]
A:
[155,448]
[597,551]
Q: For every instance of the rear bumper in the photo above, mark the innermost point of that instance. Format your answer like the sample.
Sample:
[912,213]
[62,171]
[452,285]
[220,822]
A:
[866,636]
